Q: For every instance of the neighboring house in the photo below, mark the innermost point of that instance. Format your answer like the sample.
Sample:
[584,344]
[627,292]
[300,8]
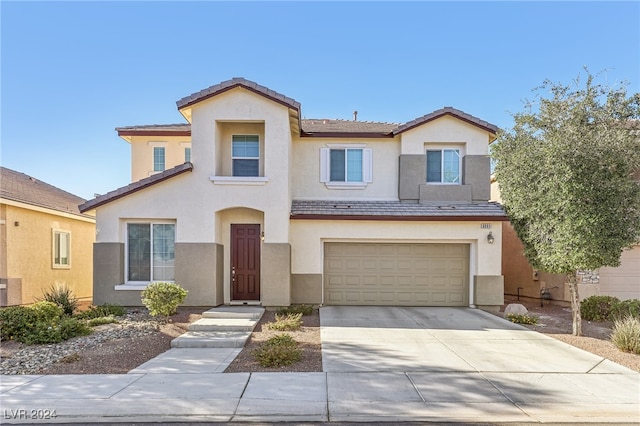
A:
[44,240]
[249,203]
[520,278]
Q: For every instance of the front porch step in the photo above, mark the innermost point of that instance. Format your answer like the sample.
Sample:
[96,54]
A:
[223,324]
[221,327]
[252,312]
[207,339]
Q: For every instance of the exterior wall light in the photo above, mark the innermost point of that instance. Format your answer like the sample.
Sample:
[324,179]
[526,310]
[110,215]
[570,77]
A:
[262,236]
[490,238]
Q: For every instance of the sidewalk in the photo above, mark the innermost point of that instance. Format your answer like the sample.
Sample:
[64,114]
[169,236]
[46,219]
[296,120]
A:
[601,396]
[380,365]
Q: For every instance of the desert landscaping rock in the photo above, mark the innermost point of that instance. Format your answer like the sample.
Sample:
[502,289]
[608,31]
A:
[516,309]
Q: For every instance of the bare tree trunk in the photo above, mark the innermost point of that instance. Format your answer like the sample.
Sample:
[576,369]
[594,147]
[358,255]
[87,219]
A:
[575,304]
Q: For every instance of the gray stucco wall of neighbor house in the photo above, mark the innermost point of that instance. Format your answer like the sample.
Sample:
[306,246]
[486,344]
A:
[412,173]
[275,280]
[199,271]
[306,288]
[476,171]
[488,292]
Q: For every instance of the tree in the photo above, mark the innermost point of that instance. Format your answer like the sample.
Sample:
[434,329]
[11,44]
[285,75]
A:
[566,177]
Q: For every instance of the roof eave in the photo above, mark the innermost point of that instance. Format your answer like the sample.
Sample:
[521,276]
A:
[469,218]
[135,187]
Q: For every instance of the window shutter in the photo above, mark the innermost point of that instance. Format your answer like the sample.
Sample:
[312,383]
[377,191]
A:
[325,165]
[367,165]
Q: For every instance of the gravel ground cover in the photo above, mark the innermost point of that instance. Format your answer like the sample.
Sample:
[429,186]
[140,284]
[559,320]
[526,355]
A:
[118,348]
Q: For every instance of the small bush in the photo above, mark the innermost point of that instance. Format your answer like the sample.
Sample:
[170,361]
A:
[15,320]
[63,297]
[163,298]
[625,308]
[285,322]
[93,322]
[522,319]
[47,312]
[597,308]
[44,333]
[105,310]
[296,309]
[626,334]
[278,351]
[43,322]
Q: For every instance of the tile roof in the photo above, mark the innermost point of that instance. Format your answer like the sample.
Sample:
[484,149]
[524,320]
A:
[135,186]
[232,84]
[492,128]
[20,187]
[151,129]
[395,210]
[325,125]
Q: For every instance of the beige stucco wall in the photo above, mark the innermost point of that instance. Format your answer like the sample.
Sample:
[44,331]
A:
[142,153]
[29,254]
[446,132]
[623,282]
[308,238]
[306,160]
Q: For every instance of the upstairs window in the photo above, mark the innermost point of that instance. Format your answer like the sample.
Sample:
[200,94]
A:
[245,155]
[150,252]
[443,166]
[345,166]
[61,249]
[158,159]
[187,155]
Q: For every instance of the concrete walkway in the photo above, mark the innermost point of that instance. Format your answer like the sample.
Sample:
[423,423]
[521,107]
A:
[400,364]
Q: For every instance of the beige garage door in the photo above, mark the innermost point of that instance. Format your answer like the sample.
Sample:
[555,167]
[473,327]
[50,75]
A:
[396,274]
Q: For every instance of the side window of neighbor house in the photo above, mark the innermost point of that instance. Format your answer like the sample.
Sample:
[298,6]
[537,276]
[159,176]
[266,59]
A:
[61,249]
[346,165]
[443,166]
[245,155]
[150,252]
[158,159]
[187,155]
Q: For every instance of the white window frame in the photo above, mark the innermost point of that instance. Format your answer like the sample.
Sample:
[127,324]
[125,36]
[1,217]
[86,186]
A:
[245,158]
[325,166]
[56,248]
[441,150]
[186,146]
[138,285]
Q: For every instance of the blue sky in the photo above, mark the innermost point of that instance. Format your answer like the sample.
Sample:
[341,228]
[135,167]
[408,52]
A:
[73,71]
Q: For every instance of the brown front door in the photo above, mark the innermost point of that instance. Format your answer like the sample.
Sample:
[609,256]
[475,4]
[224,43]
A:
[245,262]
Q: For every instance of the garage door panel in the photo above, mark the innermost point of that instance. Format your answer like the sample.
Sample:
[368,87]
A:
[396,274]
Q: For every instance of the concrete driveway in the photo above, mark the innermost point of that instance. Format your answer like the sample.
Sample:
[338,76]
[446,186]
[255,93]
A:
[389,361]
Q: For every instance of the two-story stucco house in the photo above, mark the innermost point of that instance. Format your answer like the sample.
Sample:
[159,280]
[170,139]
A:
[251,203]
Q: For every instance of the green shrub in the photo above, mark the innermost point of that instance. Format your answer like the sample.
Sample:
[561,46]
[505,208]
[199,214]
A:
[93,322]
[285,322]
[43,322]
[44,333]
[597,308]
[14,320]
[522,319]
[105,310]
[296,309]
[626,334]
[63,297]
[163,298]
[626,308]
[278,351]
[47,312]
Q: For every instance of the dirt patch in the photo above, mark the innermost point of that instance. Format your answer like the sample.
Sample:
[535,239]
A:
[308,336]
